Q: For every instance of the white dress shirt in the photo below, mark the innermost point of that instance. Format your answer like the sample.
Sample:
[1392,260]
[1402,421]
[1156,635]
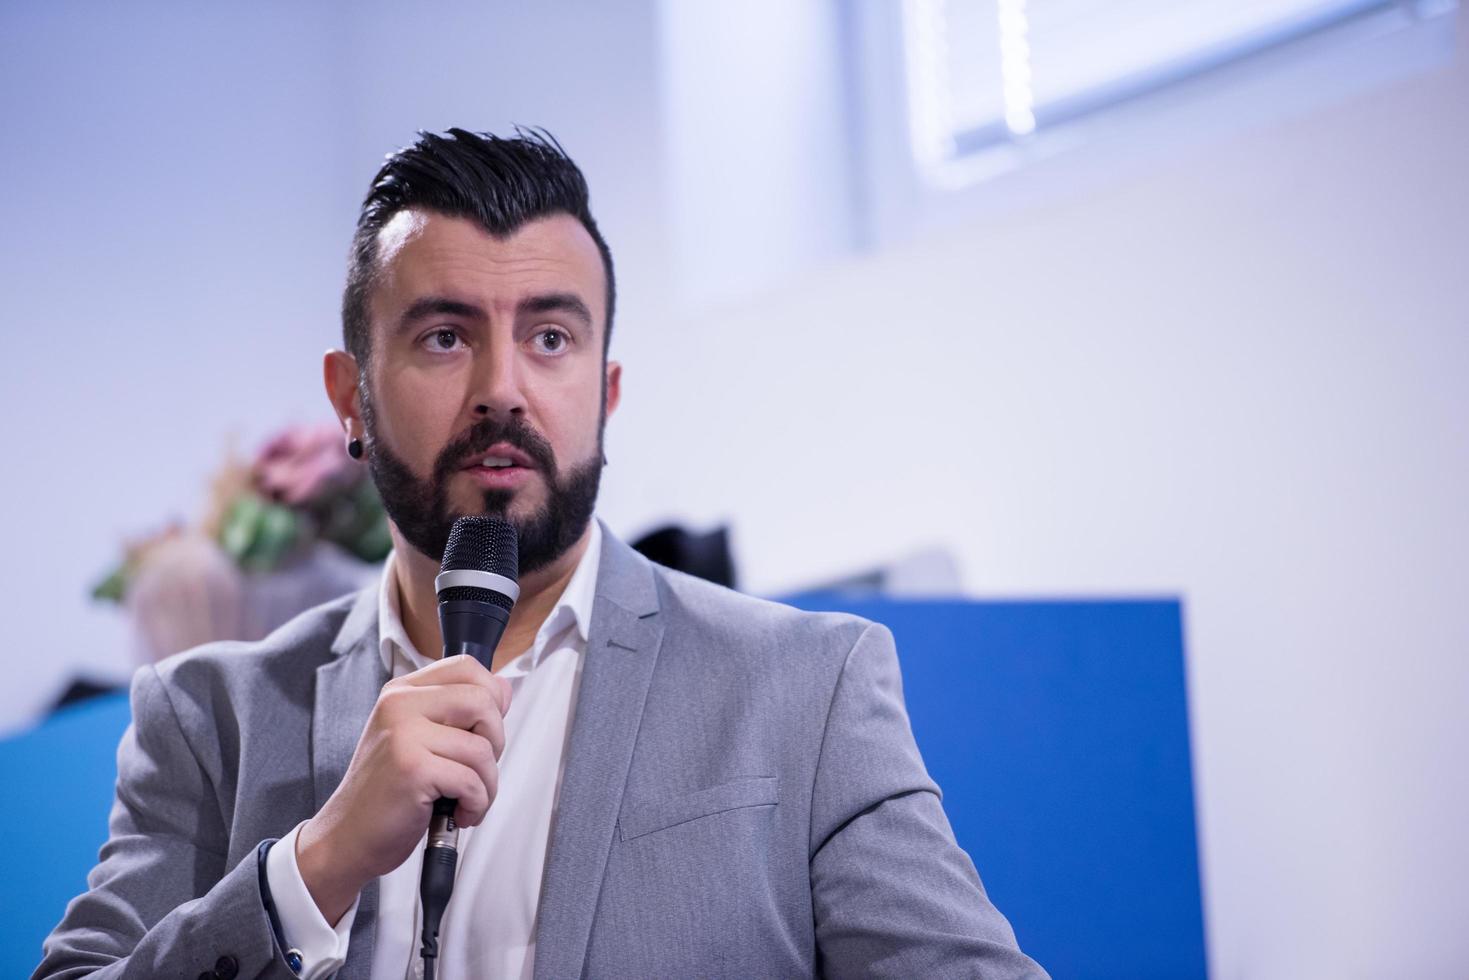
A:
[488,929]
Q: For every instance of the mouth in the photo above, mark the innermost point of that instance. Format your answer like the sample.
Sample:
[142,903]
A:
[501,467]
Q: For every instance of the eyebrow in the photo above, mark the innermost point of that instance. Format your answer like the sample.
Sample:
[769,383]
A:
[431,306]
[556,303]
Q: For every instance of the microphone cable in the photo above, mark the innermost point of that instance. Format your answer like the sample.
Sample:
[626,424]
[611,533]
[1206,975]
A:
[436,883]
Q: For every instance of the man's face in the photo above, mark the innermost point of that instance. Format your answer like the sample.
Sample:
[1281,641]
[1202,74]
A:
[488,349]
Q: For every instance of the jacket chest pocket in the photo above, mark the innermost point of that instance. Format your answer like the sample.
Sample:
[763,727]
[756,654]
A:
[639,818]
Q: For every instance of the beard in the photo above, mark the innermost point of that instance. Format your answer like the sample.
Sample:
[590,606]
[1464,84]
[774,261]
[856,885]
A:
[420,508]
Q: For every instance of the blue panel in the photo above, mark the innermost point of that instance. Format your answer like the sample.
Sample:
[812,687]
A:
[1058,732]
[58,781]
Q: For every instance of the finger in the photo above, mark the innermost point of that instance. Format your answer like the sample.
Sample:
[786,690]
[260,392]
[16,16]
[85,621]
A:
[460,783]
[468,750]
[450,740]
[467,706]
[461,669]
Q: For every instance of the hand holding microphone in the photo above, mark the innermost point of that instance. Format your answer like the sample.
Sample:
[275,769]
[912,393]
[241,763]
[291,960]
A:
[436,732]
[433,740]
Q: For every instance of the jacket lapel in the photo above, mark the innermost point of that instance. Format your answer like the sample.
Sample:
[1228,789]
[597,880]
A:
[347,687]
[622,648]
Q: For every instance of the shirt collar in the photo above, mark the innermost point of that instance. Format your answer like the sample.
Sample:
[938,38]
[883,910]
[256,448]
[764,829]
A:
[573,608]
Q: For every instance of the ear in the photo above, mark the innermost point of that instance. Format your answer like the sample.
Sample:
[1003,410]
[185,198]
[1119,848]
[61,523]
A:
[614,386]
[339,372]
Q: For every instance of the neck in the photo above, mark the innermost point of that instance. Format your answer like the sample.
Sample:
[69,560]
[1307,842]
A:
[418,603]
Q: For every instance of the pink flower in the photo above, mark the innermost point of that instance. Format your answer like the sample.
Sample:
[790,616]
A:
[302,462]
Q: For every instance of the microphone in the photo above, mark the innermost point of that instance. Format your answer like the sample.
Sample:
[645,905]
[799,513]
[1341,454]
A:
[477,587]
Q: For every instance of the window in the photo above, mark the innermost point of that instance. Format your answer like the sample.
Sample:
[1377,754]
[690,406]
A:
[990,74]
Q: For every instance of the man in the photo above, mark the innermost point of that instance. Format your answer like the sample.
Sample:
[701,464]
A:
[658,777]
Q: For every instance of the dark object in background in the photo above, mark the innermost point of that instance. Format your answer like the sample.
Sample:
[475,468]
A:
[83,688]
[929,573]
[704,555]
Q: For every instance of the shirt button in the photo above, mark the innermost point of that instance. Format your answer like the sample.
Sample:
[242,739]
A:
[225,968]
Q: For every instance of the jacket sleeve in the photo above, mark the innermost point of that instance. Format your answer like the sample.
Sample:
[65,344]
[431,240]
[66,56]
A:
[161,901]
[893,893]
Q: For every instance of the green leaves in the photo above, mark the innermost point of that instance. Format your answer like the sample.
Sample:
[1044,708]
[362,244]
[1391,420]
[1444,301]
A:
[259,534]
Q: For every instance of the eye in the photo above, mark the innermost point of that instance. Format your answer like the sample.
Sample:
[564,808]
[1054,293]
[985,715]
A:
[442,339]
[552,340]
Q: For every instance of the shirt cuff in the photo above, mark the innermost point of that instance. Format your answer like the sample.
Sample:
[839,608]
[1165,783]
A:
[322,948]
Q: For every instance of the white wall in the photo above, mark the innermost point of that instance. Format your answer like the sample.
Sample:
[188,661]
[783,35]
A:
[173,228]
[1234,374]
[755,124]
[1237,375]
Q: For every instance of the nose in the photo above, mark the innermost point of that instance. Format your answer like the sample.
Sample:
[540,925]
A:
[497,384]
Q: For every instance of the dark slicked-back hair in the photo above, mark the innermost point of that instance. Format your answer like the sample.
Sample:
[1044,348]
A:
[501,182]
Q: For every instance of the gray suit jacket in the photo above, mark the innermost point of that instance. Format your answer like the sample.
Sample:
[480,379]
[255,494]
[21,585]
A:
[742,797]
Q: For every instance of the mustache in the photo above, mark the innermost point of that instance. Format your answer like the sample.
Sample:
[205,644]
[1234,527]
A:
[488,431]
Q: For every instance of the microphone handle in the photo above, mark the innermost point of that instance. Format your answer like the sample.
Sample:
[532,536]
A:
[470,627]
[473,627]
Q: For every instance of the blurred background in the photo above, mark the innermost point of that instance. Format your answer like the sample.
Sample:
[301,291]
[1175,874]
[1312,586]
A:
[1060,298]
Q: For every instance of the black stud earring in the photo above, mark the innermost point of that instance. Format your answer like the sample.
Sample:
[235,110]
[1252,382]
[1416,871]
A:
[354,448]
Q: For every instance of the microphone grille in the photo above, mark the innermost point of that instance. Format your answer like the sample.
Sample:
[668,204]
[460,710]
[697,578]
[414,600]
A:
[468,593]
[483,543]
